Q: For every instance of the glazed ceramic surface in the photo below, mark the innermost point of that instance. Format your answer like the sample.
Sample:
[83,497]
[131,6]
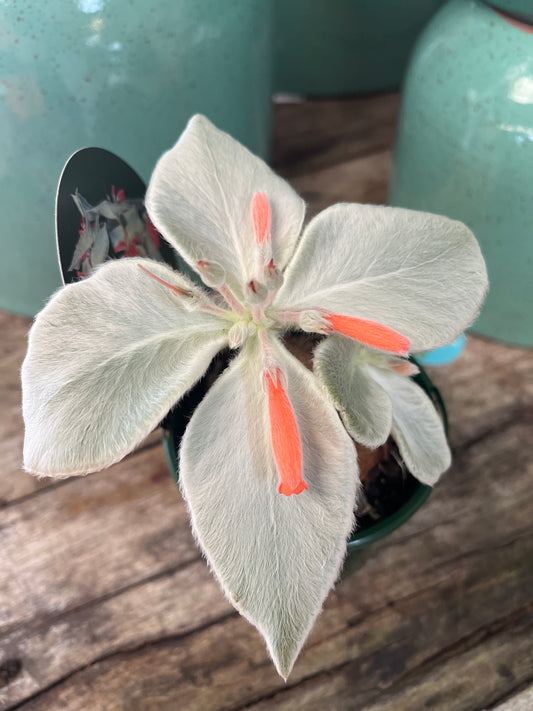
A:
[522,9]
[124,75]
[345,46]
[465,149]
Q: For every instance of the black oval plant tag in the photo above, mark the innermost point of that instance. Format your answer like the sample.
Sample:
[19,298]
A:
[100,215]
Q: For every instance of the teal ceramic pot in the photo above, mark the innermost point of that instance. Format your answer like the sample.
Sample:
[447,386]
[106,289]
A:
[332,47]
[176,422]
[465,149]
[520,9]
[120,74]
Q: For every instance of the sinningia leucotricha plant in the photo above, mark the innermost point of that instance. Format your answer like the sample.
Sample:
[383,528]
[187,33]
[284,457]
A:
[267,467]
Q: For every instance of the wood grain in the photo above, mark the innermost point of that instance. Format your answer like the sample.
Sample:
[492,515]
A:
[438,588]
[522,701]
[106,604]
[91,537]
[13,482]
[310,136]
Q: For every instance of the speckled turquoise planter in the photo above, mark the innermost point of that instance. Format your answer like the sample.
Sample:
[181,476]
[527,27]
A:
[521,9]
[465,149]
[123,75]
[345,46]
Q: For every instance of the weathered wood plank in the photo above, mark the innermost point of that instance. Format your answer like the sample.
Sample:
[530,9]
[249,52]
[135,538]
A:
[523,701]
[169,604]
[489,385]
[225,666]
[13,482]
[312,135]
[464,682]
[425,590]
[91,537]
[361,180]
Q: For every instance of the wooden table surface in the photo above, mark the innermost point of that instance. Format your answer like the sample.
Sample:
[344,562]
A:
[106,603]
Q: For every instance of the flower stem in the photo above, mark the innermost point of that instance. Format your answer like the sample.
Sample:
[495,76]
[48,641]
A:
[211,308]
[231,299]
[287,316]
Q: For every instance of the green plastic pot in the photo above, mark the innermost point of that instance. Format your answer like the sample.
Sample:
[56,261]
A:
[176,422]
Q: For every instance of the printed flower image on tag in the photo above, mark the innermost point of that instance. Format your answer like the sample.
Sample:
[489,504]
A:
[100,215]
[116,227]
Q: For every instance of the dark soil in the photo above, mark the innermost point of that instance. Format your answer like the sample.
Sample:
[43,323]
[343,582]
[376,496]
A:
[387,484]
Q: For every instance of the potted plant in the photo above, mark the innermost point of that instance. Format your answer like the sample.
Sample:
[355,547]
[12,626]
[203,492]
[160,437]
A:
[268,469]
[389,494]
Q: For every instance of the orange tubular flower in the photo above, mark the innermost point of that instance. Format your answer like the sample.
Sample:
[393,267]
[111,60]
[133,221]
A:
[285,437]
[370,333]
[261,217]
